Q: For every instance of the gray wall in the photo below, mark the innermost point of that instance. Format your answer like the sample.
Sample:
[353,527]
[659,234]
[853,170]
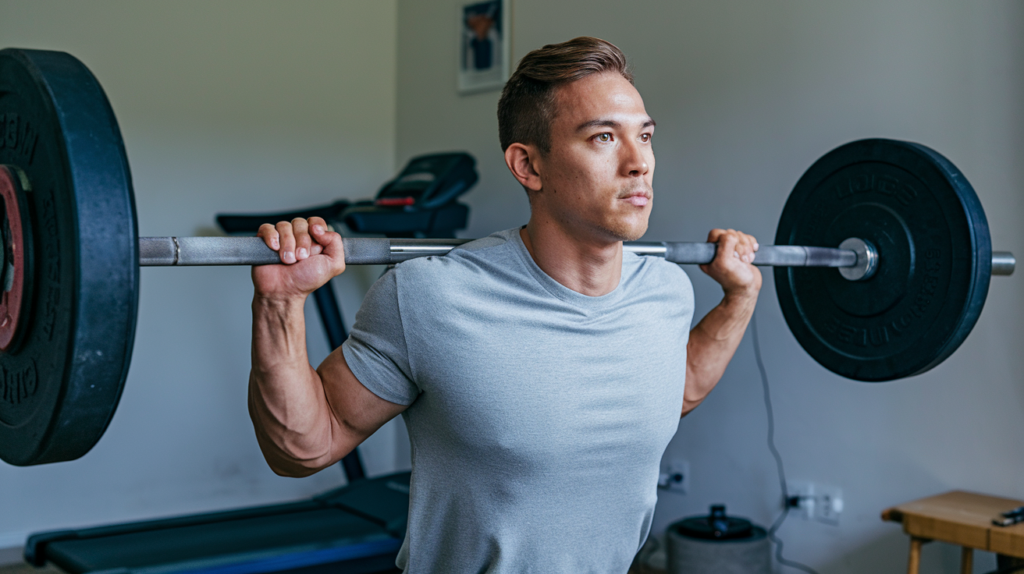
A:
[224,106]
[747,94]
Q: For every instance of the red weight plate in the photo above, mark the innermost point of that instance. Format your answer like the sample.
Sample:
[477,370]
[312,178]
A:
[16,231]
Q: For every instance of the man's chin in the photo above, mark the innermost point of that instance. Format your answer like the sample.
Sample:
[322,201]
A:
[629,232]
[635,235]
[632,225]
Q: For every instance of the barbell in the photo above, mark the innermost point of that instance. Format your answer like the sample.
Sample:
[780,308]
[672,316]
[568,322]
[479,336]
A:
[901,225]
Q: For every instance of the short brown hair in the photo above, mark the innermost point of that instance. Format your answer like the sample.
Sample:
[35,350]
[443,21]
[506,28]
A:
[527,104]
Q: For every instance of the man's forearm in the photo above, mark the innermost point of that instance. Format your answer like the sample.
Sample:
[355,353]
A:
[712,344]
[286,397]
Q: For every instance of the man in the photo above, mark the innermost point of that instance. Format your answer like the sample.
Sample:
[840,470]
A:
[541,370]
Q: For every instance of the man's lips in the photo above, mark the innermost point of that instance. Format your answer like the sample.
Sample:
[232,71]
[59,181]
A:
[638,198]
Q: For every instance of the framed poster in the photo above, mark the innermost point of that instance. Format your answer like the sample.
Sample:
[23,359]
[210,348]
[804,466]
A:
[483,45]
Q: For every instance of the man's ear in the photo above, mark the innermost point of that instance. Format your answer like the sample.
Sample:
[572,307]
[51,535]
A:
[522,161]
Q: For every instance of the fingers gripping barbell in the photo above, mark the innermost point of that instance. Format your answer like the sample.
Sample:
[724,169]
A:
[902,225]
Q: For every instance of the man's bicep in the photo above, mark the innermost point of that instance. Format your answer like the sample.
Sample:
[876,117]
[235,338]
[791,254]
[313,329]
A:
[357,412]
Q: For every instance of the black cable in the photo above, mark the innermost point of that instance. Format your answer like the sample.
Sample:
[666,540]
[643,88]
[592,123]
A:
[778,457]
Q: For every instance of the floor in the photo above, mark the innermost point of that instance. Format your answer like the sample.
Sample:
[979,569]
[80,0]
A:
[25,568]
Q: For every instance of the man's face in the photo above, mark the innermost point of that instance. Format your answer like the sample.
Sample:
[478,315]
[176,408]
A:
[597,179]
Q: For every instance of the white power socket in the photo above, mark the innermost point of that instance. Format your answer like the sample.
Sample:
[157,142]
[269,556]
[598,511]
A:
[829,504]
[675,475]
[809,500]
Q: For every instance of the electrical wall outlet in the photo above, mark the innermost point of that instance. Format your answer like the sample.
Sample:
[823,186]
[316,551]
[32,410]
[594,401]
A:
[809,500]
[675,475]
[829,504]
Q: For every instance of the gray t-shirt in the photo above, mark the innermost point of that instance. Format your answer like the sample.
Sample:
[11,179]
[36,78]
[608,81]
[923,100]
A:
[538,416]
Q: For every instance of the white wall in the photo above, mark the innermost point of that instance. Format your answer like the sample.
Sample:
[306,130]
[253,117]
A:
[747,94]
[224,106]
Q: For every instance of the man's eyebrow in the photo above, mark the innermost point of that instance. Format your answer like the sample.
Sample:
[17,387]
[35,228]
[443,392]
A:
[610,124]
[597,124]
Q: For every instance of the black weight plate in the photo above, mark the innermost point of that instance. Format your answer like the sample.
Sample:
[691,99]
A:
[935,260]
[60,386]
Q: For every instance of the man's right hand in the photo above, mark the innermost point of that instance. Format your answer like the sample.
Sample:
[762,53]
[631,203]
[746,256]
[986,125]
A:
[312,255]
[305,419]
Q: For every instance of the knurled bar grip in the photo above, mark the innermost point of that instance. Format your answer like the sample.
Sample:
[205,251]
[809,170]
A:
[164,251]
[169,251]
[769,255]
[366,251]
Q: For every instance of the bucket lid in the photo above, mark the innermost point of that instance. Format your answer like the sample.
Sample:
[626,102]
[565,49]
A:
[715,526]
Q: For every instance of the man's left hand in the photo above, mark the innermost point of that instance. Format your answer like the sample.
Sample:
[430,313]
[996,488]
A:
[732,267]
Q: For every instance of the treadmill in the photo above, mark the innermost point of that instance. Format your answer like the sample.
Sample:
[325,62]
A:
[354,529]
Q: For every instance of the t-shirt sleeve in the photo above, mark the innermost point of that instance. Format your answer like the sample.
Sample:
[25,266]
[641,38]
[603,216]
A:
[376,350]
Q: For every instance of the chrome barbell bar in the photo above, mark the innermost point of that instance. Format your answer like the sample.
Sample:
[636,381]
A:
[189,251]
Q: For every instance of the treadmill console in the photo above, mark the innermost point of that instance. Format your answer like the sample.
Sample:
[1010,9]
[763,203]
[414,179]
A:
[429,181]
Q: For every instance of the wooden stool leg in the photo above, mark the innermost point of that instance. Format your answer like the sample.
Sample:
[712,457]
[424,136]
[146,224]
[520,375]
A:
[966,560]
[915,555]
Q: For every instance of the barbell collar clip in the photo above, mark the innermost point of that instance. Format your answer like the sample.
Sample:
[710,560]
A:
[867,259]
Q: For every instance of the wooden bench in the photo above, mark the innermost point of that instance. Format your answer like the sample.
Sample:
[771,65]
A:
[961,518]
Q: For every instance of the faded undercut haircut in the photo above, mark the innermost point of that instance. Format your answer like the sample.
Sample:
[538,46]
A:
[527,105]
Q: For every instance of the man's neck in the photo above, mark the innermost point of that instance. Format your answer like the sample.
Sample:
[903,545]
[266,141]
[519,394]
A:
[587,266]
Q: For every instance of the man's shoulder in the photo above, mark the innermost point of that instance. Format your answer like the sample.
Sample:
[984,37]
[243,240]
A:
[651,274]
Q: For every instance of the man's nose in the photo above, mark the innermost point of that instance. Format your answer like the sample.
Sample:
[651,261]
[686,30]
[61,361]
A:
[634,161]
